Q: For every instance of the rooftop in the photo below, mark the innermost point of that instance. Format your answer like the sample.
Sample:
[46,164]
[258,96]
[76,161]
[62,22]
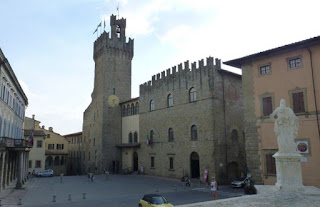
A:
[293,46]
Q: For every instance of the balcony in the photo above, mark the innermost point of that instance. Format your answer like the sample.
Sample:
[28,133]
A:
[13,143]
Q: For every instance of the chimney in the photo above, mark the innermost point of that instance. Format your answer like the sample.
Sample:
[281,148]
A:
[33,116]
[42,126]
[50,129]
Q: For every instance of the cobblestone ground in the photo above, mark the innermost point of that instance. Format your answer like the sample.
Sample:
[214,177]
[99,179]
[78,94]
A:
[126,191]
[269,197]
[118,190]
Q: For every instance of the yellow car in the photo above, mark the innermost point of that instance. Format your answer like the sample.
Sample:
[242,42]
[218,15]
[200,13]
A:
[154,200]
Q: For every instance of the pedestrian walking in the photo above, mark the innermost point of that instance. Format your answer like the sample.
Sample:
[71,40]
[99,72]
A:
[214,188]
[187,181]
[92,176]
[107,174]
[61,177]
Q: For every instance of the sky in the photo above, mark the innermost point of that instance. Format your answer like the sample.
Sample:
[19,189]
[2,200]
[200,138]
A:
[49,44]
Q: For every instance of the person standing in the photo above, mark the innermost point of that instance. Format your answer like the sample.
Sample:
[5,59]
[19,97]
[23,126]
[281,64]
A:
[61,177]
[187,181]
[92,176]
[214,188]
[89,176]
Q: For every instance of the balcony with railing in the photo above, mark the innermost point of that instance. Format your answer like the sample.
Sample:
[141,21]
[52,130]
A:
[13,143]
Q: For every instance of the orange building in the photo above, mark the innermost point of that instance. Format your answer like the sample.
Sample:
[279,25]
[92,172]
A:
[290,72]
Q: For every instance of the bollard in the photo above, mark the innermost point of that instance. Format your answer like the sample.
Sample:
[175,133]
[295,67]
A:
[69,197]
[157,188]
[175,187]
[83,195]
[54,199]
[20,202]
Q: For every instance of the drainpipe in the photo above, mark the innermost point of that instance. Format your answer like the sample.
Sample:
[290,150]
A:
[314,90]
[225,127]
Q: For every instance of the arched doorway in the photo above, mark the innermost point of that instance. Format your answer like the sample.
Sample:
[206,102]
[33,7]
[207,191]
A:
[56,160]
[49,161]
[194,165]
[135,161]
[233,171]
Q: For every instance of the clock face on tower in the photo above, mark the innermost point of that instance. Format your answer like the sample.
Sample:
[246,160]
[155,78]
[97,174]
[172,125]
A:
[113,100]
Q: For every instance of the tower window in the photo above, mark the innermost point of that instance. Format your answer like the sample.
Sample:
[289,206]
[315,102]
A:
[130,137]
[171,163]
[170,135]
[135,136]
[132,109]
[152,105]
[194,132]
[170,100]
[128,110]
[192,95]
[151,137]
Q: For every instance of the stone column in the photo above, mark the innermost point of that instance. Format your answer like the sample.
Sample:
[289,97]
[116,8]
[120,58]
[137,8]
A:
[27,165]
[2,169]
[20,166]
[5,169]
[13,168]
[9,168]
[289,176]
[23,167]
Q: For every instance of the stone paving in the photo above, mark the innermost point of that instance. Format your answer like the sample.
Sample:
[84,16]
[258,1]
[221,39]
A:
[268,196]
[40,191]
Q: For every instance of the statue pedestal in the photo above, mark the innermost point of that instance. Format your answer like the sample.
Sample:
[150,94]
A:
[289,176]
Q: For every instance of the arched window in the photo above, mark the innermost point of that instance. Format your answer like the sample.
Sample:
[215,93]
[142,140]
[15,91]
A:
[56,161]
[170,135]
[192,94]
[152,105]
[135,137]
[137,108]
[128,110]
[62,161]
[194,133]
[130,137]
[151,136]
[124,110]
[170,100]
[132,109]
[49,161]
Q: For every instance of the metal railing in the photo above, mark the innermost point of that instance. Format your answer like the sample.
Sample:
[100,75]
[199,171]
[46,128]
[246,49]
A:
[11,142]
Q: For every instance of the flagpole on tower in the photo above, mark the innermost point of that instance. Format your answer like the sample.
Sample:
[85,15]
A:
[118,10]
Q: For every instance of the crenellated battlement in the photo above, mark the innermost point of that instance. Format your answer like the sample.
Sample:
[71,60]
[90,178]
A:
[114,42]
[182,72]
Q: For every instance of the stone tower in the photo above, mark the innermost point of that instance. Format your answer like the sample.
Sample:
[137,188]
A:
[102,120]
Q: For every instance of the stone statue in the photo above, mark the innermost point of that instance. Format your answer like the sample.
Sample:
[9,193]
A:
[286,128]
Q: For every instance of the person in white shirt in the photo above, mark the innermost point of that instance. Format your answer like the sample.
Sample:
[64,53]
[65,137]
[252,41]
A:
[214,188]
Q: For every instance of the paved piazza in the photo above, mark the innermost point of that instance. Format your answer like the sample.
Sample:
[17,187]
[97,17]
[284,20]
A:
[118,190]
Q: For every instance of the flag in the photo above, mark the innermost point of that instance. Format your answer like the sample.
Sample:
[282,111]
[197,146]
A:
[148,141]
[99,25]
[95,31]
[31,138]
